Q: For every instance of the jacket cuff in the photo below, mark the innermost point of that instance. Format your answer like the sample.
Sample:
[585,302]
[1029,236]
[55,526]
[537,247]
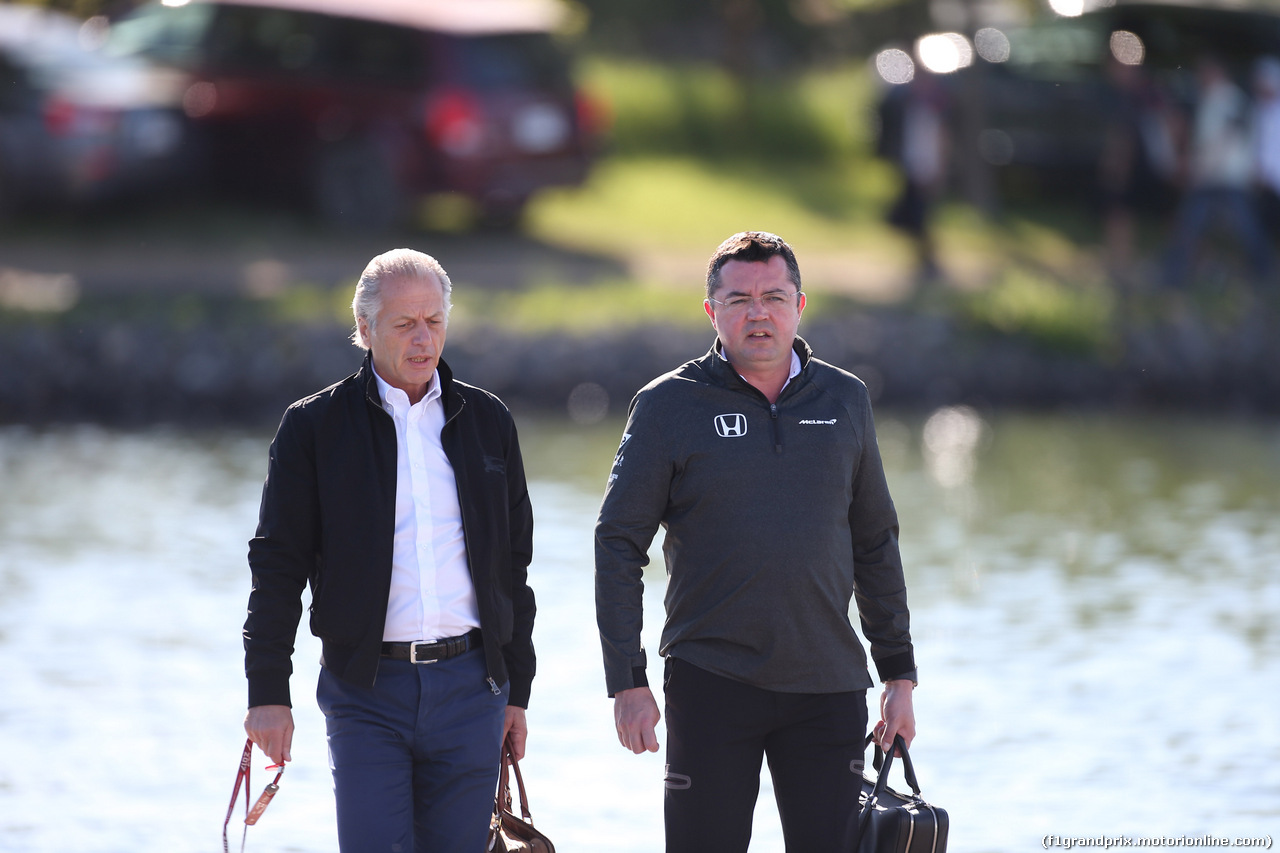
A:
[639,678]
[269,688]
[625,679]
[519,693]
[900,665]
[906,676]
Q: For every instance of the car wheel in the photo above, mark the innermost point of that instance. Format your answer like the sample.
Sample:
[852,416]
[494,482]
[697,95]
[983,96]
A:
[356,188]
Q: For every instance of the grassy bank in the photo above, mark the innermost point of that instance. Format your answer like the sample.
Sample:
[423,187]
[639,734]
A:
[694,157]
[231,312]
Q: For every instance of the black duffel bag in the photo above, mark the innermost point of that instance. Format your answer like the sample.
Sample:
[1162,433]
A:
[890,822]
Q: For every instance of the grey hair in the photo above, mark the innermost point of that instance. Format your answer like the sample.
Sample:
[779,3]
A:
[390,266]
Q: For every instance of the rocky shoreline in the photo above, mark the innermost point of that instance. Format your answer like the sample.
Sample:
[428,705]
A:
[134,372]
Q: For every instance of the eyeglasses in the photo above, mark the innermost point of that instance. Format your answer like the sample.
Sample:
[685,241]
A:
[251,815]
[773,301]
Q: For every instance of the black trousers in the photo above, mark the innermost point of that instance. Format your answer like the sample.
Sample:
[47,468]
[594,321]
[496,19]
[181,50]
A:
[719,731]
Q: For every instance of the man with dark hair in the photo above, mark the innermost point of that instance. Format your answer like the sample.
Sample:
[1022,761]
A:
[761,463]
[399,495]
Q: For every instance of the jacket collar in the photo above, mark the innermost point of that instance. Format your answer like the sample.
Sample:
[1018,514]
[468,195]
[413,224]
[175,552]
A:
[723,371]
[365,378]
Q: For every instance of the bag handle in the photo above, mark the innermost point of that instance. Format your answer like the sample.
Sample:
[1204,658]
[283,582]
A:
[509,761]
[878,758]
[882,779]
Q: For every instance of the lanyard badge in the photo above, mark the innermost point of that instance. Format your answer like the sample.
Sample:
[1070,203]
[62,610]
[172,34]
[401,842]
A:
[251,814]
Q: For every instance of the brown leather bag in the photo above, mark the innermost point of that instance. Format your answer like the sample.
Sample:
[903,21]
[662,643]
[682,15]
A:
[508,833]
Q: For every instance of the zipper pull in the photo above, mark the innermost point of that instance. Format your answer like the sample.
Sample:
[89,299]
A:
[493,685]
[777,440]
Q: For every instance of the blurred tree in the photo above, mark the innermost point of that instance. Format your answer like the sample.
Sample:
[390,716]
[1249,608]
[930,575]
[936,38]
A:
[752,37]
[84,8]
[745,37]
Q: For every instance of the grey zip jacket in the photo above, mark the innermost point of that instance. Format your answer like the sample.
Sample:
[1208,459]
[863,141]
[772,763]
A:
[776,516]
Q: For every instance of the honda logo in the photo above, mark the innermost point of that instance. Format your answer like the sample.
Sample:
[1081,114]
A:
[731,426]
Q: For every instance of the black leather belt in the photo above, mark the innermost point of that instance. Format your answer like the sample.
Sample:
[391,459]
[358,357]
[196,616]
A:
[436,650]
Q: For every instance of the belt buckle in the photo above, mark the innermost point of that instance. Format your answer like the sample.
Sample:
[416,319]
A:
[413,652]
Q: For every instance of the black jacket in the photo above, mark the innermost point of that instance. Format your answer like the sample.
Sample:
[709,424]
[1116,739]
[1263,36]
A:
[776,516]
[327,517]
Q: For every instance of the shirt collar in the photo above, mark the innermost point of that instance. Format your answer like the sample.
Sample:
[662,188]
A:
[795,362]
[395,400]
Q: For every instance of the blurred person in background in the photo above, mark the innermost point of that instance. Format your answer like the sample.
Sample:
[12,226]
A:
[1220,175]
[399,494]
[762,464]
[1266,86]
[1139,140]
[914,137]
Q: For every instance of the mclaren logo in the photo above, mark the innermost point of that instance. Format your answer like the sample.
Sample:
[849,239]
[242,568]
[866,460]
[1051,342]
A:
[617,457]
[731,426]
[814,422]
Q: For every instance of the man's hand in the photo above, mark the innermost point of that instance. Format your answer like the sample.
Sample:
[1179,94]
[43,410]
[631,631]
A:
[636,715]
[515,731]
[271,728]
[897,717]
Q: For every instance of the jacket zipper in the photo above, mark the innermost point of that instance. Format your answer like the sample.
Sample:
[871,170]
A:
[773,407]
[493,685]
[466,540]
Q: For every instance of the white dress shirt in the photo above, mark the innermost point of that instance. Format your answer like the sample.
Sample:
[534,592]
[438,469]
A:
[791,374]
[1221,153]
[432,596]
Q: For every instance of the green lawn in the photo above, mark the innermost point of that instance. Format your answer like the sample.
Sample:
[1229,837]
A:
[686,204]
[694,157]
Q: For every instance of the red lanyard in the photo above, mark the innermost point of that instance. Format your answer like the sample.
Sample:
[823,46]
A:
[251,815]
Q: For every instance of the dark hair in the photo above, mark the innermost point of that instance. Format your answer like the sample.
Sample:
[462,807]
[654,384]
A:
[752,247]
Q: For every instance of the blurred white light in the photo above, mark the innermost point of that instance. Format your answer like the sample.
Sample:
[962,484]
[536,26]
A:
[1067,8]
[963,48]
[588,403]
[943,53]
[1127,47]
[93,32]
[951,439]
[895,66]
[200,99]
[992,45]
[174,2]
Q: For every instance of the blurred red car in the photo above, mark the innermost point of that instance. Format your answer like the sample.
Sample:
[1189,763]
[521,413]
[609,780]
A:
[360,107]
[77,126]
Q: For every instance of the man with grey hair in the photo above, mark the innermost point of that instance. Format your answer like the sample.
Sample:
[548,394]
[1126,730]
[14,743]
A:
[761,463]
[399,495]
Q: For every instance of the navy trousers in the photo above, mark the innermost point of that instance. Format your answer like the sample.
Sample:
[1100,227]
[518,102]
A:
[718,733]
[415,758]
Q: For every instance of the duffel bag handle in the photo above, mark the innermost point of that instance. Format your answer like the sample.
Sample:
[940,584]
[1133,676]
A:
[882,762]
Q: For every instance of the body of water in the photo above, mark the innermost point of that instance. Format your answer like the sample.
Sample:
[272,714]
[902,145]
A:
[1095,602]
